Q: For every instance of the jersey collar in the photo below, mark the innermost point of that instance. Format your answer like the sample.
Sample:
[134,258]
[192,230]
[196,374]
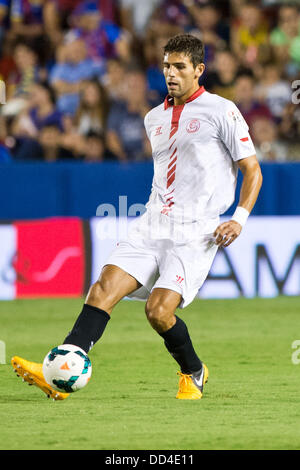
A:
[169,100]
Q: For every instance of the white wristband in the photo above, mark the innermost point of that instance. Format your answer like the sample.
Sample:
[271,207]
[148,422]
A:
[240,215]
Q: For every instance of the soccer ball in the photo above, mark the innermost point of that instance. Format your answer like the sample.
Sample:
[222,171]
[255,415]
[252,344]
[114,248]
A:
[67,368]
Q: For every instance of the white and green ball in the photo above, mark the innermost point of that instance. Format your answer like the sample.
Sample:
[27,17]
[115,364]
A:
[67,368]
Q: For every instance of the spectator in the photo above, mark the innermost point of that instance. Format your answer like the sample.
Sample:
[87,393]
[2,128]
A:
[113,79]
[8,66]
[126,137]
[249,37]
[95,148]
[135,15]
[156,82]
[274,91]
[4,21]
[104,40]
[26,18]
[58,16]
[169,18]
[26,61]
[20,79]
[105,68]
[47,146]
[214,32]
[265,137]
[93,109]
[285,39]
[5,155]
[41,112]
[68,76]
[50,144]
[222,80]
[70,139]
[290,124]
[245,99]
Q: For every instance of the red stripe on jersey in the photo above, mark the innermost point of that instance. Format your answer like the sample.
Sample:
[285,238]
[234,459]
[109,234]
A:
[165,211]
[177,110]
[172,144]
[176,113]
[167,194]
[244,139]
[173,153]
[170,180]
[169,100]
[171,171]
[172,162]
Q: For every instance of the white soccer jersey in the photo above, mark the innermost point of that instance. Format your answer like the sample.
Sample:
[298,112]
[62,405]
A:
[195,149]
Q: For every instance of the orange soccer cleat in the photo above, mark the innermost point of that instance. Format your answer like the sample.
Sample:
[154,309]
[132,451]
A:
[32,373]
[191,386]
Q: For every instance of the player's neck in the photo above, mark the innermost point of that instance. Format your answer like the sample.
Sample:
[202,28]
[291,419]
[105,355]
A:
[180,100]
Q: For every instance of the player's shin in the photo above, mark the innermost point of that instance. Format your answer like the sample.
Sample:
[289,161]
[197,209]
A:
[178,343]
[88,327]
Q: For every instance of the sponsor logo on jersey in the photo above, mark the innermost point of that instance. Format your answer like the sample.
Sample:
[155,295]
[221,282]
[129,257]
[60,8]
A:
[235,115]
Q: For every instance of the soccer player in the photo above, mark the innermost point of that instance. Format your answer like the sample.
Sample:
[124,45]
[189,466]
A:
[199,140]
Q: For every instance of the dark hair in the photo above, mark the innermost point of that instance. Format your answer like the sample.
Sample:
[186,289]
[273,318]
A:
[101,109]
[189,45]
[95,135]
[294,5]
[244,72]
[51,93]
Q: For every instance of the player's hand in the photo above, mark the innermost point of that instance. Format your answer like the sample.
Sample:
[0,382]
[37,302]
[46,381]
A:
[227,232]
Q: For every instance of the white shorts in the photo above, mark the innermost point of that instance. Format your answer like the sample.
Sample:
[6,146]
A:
[181,267]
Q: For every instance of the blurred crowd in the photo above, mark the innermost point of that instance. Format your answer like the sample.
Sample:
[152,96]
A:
[81,75]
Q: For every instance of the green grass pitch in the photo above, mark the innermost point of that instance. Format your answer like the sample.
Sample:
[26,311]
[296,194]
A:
[250,402]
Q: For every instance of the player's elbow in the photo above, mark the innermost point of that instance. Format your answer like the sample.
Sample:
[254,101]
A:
[251,171]
[259,176]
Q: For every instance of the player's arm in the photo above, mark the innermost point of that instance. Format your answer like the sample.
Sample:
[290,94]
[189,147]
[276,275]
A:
[227,232]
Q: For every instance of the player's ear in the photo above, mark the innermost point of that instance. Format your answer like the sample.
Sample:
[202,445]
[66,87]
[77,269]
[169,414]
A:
[199,70]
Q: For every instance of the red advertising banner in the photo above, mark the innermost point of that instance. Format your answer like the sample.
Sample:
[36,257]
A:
[50,258]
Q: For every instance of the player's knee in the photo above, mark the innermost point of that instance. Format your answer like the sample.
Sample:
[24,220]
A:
[158,316]
[100,295]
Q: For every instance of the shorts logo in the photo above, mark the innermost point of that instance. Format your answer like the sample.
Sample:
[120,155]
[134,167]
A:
[179,279]
[193,126]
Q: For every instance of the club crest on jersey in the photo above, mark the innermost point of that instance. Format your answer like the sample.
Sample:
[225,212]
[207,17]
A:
[193,126]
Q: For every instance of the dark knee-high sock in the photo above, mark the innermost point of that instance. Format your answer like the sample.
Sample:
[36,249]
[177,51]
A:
[88,327]
[179,344]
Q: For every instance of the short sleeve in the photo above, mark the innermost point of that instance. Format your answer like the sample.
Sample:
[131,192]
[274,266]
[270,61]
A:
[234,133]
[146,124]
